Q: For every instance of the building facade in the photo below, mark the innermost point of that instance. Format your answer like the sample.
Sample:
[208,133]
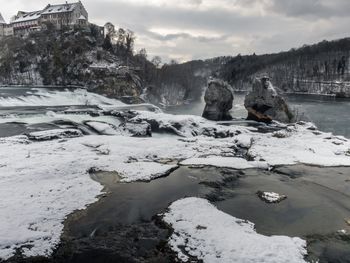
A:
[67,14]
[2,26]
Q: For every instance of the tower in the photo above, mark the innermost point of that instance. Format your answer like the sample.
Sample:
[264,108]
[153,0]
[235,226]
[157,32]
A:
[2,26]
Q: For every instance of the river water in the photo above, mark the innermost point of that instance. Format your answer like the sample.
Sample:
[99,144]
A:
[121,226]
[330,114]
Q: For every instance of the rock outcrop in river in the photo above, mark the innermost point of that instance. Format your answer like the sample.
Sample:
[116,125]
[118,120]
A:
[264,104]
[218,98]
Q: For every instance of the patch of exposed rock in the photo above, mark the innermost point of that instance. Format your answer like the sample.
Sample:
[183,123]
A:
[264,104]
[219,101]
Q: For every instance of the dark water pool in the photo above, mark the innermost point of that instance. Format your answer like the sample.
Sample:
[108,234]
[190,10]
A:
[122,223]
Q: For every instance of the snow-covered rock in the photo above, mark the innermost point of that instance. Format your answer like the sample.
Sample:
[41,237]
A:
[54,134]
[43,182]
[265,104]
[271,197]
[302,145]
[103,128]
[203,232]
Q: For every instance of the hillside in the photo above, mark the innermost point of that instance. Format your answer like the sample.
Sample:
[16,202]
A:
[82,56]
[322,68]
[174,84]
[69,57]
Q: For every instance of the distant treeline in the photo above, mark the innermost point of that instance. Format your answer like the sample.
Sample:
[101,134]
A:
[325,61]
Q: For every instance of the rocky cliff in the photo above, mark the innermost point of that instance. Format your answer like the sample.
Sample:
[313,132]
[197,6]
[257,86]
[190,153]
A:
[70,57]
[174,84]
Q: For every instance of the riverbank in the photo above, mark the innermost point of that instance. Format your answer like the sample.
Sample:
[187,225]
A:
[125,225]
[94,184]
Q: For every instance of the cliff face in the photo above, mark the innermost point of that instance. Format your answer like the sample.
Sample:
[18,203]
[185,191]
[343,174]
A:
[177,83]
[322,68]
[65,58]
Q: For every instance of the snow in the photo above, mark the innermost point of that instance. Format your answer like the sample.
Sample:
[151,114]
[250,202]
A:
[55,134]
[45,181]
[204,232]
[124,107]
[41,183]
[271,197]
[53,9]
[144,171]
[45,97]
[35,15]
[302,145]
[188,125]
[103,128]
[54,117]
[225,162]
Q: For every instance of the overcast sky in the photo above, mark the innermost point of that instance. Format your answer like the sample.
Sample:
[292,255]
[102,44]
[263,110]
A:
[196,29]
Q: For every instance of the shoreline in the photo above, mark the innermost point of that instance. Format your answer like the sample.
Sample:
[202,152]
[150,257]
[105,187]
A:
[105,228]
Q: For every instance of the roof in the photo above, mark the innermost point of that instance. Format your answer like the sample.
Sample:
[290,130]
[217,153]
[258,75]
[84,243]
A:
[82,17]
[49,9]
[2,20]
[62,8]
[28,17]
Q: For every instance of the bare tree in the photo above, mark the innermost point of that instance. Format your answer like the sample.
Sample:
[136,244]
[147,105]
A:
[142,53]
[156,61]
[173,62]
[129,41]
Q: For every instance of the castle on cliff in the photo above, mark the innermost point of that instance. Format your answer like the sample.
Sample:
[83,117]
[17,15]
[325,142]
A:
[67,14]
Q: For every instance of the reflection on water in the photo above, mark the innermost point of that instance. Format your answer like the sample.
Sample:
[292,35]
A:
[330,114]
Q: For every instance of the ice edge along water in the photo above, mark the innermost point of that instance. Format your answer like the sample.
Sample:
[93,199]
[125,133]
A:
[46,181]
[203,232]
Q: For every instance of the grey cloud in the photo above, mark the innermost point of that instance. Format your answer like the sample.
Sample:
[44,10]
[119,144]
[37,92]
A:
[196,32]
[311,8]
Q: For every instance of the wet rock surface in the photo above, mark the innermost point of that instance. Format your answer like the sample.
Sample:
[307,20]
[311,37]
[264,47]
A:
[219,101]
[264,104]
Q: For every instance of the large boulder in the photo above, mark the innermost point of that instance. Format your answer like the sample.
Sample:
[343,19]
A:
[264,104]
[219,101]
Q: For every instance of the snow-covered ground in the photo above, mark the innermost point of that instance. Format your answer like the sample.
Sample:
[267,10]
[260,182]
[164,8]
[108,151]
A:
[41,183]
[204,232]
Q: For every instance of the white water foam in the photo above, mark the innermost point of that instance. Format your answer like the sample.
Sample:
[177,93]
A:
[44,97]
